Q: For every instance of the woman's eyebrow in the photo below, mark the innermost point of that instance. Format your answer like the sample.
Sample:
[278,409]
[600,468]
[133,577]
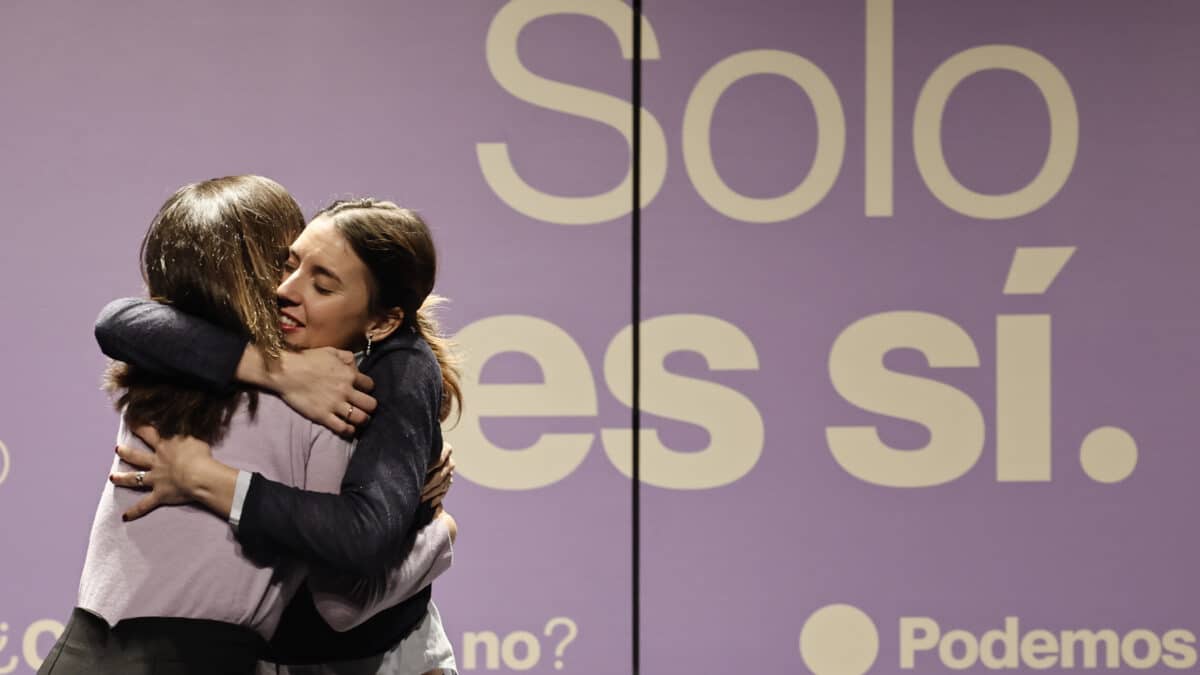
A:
[325,271]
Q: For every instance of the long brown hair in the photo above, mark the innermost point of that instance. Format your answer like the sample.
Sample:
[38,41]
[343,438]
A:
[215,250]
[397,247]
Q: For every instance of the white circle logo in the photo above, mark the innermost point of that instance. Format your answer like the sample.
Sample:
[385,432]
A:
[1108,454]
[839,640]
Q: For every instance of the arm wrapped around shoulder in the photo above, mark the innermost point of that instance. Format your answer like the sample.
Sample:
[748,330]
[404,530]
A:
[166,341]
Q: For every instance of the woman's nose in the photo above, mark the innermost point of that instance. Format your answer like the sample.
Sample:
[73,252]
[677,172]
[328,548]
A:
[287,290]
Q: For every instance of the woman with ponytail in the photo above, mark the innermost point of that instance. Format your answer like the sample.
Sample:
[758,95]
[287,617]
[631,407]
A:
[371,524]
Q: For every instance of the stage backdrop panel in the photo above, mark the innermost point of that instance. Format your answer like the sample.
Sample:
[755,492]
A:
[920,328]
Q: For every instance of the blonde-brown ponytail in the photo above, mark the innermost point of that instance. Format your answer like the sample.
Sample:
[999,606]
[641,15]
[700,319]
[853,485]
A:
[443,349]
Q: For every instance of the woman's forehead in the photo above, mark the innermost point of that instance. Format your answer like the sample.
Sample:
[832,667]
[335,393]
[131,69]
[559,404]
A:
[321,237]
[322,244]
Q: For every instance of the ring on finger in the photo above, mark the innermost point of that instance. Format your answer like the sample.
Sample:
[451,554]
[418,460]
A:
[140,478]
[349,410]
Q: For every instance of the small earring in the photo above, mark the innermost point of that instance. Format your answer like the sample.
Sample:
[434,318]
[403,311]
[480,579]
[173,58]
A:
[368,344]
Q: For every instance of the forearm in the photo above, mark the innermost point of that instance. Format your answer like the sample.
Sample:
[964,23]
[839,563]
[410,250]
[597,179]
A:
[346,603]
[349,533]
[254,369]
[163,340]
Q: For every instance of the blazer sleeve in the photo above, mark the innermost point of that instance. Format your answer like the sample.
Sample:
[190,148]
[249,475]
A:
[166,341]
[364,530]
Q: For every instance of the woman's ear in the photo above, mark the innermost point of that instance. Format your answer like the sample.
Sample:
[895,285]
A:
[383,326]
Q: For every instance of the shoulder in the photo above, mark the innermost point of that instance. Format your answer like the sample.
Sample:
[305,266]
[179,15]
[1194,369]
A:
[404,359]
[408,383]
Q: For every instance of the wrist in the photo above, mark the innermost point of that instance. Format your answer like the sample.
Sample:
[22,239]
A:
[254,370]
[193,474]
[210,483]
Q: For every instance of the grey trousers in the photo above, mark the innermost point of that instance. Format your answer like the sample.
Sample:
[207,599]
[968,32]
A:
[158,646]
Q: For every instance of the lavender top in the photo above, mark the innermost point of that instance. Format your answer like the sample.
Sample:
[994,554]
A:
[184,562]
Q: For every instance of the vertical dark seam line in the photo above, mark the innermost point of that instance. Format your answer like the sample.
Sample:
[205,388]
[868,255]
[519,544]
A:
[636,178]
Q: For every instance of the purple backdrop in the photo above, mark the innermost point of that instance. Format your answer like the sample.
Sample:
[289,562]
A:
[774,537]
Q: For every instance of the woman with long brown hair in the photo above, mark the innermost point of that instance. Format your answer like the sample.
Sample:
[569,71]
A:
[174,593]
[389,251]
